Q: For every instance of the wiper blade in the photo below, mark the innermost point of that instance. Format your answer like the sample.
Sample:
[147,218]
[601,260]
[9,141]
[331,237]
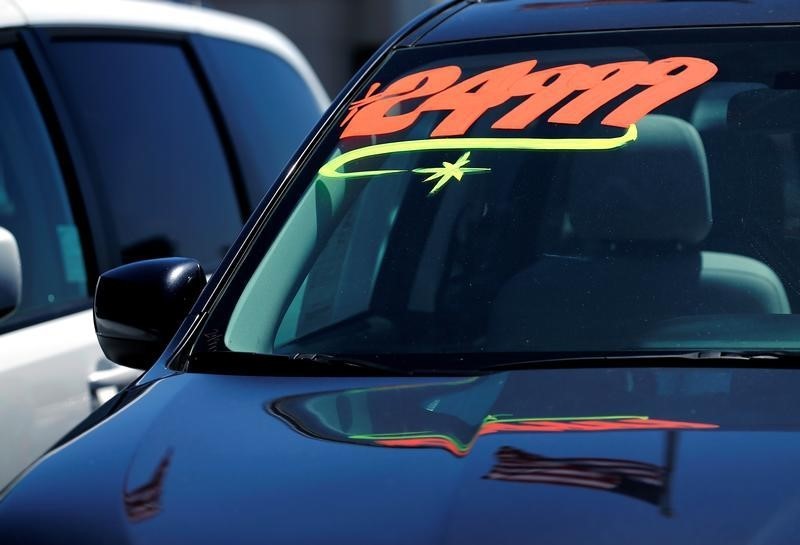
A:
[707,358]
[347,361]
[323,365]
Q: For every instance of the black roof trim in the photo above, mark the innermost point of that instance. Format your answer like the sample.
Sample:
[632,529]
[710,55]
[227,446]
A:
[501,18]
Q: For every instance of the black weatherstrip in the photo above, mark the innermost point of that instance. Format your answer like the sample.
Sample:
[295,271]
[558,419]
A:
[193,49]
[45,90]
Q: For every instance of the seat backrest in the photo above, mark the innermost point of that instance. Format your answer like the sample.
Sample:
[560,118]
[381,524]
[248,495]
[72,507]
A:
[754,180]
[641,213]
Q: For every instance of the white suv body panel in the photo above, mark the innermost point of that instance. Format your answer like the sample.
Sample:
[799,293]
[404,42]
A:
[10,15]
[46,369]
[44,390]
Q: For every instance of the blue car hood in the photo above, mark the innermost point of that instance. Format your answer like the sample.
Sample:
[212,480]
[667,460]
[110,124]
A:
[610,456]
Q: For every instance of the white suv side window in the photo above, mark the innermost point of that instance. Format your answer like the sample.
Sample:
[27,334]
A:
[154,155]
[34,205]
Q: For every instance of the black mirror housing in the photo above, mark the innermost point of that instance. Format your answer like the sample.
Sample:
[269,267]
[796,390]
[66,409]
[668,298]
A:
[140,306]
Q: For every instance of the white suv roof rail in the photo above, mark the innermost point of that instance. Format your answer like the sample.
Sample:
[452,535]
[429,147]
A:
[159,16]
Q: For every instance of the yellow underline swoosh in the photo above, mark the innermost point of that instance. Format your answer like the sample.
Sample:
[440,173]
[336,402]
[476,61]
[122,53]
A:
[331,168]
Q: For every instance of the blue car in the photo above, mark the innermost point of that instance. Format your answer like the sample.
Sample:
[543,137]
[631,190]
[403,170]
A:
[532,279]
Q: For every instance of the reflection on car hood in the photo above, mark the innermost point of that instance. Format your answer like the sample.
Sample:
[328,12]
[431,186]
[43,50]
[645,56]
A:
[450,416]
[558,457]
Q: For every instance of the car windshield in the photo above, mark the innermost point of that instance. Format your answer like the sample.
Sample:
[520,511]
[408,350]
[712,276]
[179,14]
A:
[634,192]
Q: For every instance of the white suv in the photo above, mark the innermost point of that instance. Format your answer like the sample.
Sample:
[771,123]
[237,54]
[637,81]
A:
[128,130]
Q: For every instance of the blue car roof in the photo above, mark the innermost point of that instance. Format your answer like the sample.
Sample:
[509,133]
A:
[499,18]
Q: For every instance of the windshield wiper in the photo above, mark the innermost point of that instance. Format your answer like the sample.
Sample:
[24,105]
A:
[348,362]
[323,365]
[328,365]
[706,358]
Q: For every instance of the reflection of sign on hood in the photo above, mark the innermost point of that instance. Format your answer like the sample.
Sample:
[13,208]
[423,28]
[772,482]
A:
[492,424]
[406,417]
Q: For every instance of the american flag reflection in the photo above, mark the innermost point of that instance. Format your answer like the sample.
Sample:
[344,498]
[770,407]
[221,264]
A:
[639,480]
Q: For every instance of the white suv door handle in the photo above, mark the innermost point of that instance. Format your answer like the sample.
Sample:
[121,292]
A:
[106,383]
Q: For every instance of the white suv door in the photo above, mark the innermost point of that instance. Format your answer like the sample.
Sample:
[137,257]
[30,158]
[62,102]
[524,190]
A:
[47,347]
[43,387]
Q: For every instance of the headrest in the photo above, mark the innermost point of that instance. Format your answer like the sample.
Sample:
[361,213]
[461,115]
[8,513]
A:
[710,112]
[766,109]
[653,189]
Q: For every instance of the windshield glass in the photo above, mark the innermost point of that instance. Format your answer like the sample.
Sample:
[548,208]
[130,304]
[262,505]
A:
[636,191]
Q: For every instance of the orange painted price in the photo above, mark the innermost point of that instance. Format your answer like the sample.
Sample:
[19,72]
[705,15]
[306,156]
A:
[467,101]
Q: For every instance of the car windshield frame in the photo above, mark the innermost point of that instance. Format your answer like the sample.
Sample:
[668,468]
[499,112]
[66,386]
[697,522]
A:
[281,200]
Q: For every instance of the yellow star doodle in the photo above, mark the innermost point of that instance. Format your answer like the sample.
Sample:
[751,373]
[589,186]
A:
[448,171]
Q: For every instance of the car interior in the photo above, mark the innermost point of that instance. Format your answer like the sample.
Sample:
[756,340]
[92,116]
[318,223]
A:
[641,217]
[689,239]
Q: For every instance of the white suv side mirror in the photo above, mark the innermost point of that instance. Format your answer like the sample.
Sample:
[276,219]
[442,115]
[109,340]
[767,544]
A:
[10,274]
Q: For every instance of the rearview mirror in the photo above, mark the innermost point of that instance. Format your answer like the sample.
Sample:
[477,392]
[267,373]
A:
[139,307]
[10,274]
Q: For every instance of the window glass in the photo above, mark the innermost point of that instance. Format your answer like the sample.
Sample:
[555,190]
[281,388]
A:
[153,149]
[621,193]
[340,284]
[267,105]
[34,205]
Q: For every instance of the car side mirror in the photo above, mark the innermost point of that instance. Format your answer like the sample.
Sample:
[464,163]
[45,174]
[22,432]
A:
[139,307]
[10,274]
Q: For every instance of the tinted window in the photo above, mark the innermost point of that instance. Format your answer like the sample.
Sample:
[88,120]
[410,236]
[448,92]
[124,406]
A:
[153,149]
[33,203]
[551,195]
[267,105]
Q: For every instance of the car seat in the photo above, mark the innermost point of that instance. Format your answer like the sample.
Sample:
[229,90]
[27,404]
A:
[752,151]
[641,213]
